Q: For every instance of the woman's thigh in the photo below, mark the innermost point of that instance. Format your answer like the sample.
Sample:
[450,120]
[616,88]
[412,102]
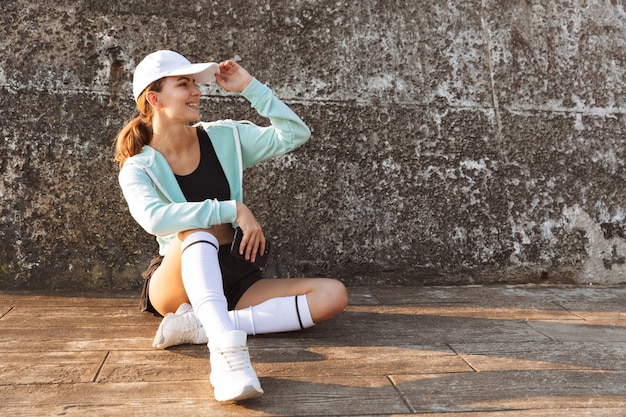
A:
[326,297]
[166,289]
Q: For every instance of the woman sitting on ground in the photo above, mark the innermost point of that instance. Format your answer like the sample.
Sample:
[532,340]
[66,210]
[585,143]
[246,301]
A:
[183,184]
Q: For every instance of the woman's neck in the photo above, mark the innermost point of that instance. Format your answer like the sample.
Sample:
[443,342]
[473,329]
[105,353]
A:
[172,139]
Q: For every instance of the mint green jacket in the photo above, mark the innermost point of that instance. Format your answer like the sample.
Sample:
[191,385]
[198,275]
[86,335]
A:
[154,197]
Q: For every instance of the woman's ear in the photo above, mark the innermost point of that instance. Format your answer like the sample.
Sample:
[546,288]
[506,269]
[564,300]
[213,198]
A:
[153,99]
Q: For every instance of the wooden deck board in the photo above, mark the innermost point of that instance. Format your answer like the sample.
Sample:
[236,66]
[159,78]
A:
[466,351]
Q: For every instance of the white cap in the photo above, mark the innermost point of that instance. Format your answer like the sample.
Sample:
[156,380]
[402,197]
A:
[164,63]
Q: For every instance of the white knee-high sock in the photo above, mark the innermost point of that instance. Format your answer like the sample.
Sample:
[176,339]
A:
[202,279]
[281,314]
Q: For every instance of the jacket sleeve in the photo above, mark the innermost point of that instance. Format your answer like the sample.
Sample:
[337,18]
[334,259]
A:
[287,130]
[161,217]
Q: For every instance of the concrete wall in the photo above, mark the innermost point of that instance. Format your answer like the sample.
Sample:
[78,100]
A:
[453,142]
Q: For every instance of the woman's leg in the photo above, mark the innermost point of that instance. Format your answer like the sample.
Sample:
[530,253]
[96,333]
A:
[282,305]
[168,296]
[326,297]
[191,266]
[166,290]
[195,275]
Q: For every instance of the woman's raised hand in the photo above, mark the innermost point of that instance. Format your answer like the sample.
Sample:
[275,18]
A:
[233,77]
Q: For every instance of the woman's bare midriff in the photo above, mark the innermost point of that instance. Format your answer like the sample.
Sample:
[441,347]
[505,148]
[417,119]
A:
[223,232]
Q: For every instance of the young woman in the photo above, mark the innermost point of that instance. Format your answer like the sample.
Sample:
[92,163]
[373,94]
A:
[183,184]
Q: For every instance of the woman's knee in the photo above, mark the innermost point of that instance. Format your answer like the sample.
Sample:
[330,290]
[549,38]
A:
[331,298]
[339,294]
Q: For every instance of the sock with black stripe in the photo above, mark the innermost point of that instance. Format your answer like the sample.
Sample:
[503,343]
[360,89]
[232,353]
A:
[202,279]
[281,314]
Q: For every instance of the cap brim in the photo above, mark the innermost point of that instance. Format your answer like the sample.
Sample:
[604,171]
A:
[203,73]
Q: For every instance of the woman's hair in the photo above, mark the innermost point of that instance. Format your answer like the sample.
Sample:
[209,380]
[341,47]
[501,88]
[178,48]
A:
[138,132]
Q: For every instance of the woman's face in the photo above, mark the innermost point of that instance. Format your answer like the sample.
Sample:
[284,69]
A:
[179,98]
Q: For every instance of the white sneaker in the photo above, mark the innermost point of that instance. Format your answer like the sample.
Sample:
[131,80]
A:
[232,375]
[182,327]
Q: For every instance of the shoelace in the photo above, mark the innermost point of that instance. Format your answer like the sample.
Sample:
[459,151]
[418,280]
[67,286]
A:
[236,358]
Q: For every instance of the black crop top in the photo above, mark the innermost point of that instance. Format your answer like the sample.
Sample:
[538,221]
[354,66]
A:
[208,181]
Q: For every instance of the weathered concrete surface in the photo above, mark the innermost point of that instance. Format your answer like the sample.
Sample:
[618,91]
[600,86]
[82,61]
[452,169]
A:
[453,142]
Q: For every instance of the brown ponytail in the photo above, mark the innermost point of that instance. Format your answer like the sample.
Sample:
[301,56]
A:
[138,132]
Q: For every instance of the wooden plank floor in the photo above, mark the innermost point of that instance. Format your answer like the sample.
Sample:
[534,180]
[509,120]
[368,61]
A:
[514,351]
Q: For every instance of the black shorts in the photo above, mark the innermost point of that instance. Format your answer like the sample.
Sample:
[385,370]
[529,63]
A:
[237,276]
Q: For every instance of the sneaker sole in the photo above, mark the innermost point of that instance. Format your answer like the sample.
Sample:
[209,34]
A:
[249,391]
